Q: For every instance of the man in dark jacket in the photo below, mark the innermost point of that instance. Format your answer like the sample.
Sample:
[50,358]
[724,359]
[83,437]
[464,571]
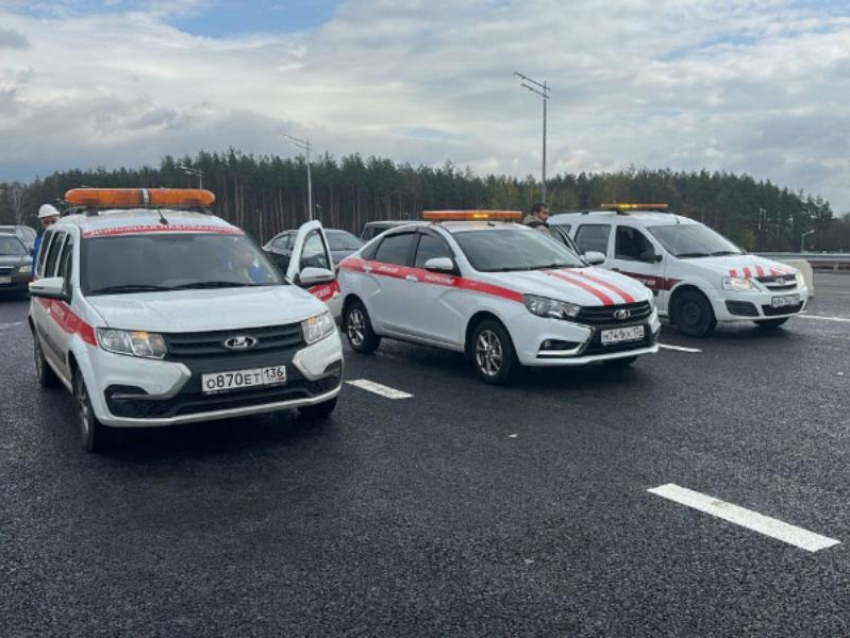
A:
[538,219]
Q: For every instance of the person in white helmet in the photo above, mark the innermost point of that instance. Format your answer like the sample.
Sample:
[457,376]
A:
[47,215]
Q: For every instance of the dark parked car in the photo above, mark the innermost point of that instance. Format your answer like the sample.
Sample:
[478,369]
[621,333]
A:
[24,233]
[15,264]
[341,243]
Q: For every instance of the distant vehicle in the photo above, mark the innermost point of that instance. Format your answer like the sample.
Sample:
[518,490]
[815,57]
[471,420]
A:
[698,277]
[15,263]
[373,229]
[154,312]
[341,242]
[502,293]
[25,233]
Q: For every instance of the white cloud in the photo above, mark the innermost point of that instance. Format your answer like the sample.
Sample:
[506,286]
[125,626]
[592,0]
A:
[761,86]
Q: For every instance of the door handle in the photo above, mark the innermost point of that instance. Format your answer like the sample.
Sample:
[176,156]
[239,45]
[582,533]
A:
[411,278]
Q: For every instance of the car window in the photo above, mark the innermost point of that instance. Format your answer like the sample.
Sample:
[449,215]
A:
[313,254]
[282,243]
[42,252]
[11,245]
[53,254]
[431,247]
[593,237]
[66,262]
[513,248]
[341,240]
[631,244]
[395,249]
[693,240]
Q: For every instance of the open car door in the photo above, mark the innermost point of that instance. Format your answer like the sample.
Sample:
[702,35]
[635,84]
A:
[311,266]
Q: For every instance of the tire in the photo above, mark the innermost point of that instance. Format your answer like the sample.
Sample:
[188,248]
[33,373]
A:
[621,363]
[358,329]
[492,353]
[317,412]
[693,315]
[92,432]
[44,373]
[771,324]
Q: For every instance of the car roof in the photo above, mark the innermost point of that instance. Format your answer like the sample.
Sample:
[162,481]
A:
[467,226]
[142,218]
[642,217]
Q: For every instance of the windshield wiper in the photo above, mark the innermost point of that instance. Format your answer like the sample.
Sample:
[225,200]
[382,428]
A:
[215,284]
[721,253]
[686,255]
[129,288]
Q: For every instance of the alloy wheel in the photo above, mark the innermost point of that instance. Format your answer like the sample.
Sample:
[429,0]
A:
[488,353]
[356,327]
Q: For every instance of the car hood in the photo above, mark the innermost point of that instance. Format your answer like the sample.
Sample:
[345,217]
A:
[207,310]
[741,266]
[582,286]
[15,260]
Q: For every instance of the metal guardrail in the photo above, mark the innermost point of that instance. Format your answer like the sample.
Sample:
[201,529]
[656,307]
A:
[836,261]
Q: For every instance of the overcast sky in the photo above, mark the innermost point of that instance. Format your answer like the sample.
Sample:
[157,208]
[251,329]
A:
[755,86]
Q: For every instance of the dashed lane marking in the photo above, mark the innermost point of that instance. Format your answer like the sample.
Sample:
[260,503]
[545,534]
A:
[766,525]
[678,348]
[377,388]
[823,318]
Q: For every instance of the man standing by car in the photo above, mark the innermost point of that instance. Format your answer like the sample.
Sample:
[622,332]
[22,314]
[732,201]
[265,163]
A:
[47,215]
[538,219]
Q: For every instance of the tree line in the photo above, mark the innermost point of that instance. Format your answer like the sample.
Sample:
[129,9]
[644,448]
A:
[266,194]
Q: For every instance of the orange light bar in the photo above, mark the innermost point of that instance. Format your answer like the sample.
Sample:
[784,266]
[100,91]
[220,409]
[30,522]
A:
[659,207]
[471,215]
[129,197]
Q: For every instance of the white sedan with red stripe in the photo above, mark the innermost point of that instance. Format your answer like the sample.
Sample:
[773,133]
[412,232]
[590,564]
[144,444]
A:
[503,294]
[160,316]
[698,277]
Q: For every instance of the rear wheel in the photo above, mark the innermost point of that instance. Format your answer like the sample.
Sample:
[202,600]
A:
[92,432]
[46,376]
[771,324]
[358,329]
[621,363]
[692,314]
[493,355]
[318,411]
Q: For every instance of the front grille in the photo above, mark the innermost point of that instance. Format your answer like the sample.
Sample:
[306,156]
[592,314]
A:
[598,315]
[770,311]
[779,282]
[190,345]
[6,271]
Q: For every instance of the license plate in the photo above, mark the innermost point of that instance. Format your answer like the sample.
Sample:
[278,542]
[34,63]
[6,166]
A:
[781,302]
[238,379]
[5,280]
[619,335]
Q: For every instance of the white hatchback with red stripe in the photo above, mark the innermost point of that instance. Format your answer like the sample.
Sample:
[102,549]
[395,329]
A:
[168,315]
[699,277]
[501,293]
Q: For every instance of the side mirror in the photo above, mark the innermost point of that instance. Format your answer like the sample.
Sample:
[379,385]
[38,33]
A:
[650,257]
[50,288]
[594,258]
[440,264]
[315,276]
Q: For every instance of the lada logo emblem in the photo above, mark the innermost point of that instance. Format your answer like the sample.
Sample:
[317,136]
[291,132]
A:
[622,314]
[780,281]
[240,343]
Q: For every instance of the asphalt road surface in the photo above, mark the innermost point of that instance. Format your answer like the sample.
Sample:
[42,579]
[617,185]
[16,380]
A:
[461,510]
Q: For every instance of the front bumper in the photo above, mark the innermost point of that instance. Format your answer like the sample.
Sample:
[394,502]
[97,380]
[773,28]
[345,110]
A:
[132,392]
[19,282]
[730,305]
[575,344]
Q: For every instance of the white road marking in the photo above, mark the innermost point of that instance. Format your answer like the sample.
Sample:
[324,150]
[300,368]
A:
[513,436]
[14,324]
[766,525]
[377,388]
[823,318]
[678,348]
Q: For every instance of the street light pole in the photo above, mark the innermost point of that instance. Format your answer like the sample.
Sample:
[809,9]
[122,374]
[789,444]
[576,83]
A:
[803,240]
[197,172]
[541,89]
[305,146]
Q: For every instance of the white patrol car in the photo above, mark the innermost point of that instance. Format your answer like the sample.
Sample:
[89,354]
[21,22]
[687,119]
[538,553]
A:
[502,293]
[154,312]
[698,276]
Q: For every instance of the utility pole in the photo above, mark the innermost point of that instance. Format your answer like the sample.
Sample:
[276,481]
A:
[541,89]
[197,172]
[803,240]
[305,146]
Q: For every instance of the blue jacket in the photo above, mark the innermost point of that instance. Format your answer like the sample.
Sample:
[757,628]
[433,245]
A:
[35,248]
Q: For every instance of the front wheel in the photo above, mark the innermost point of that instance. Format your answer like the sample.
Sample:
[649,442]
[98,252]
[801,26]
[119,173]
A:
[771,324]
[358,329]
[692,314]
[317,412]
[493,355]
[92,432]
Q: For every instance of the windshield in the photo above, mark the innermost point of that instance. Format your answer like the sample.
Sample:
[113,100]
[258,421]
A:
[341,240]
[693,240]
[148,262]
[12,246]
[506,249]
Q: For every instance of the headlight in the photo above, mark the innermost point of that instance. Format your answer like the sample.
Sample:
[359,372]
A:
[739,285]
[132,343]
[801,281]
[550,308]
[317,328]
[25,270]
